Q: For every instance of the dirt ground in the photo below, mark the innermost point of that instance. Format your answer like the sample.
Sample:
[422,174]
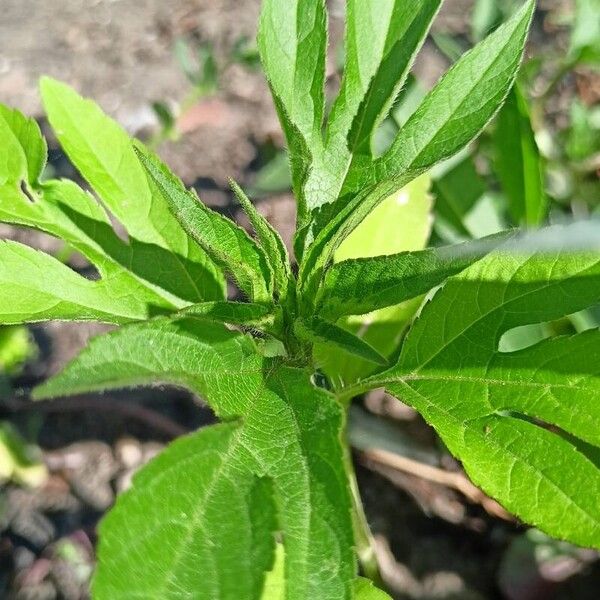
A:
[432,541]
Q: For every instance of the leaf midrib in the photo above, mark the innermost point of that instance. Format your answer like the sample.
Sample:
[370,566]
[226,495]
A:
[483,380]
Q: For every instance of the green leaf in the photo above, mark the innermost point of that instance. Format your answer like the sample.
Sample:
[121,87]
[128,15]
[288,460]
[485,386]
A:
[321,252]
[456,192]
[462,103]
[275,584]
[518,421]
[36,287]
[224,241]
[365,590]
[358,286]
[235,313]
[274,588]
[151,548]
[270,240]
[33,151]
[104,155]
[402,222]
[318,330]
[518,161]
[382,329]
[292,42]
[382,40]
[486,217]
[274,402]
[450,117]
[585,36]
[62,209]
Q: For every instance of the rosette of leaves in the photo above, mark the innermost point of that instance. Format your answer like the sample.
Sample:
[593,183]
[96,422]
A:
[259,506]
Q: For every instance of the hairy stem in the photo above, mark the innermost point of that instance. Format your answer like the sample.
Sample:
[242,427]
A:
[363,539]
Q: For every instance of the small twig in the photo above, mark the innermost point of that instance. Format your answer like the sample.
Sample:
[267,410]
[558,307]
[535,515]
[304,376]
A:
[457,481]
[145,415]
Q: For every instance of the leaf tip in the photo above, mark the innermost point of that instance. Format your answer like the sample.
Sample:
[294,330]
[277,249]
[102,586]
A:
[50,86]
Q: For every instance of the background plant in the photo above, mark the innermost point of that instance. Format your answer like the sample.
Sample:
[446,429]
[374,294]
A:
[277,458]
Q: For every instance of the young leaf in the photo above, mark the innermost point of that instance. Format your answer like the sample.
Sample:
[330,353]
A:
[103,154]
[305,465]
[224,241]
[374,74]
[382,39]
[292,41]
[376,67]
[518,161]
[462,103]
[235,313]
[449,117]
[151,548]
[318,330]
[519,421]
[322,250]
[361,285]
[270,240]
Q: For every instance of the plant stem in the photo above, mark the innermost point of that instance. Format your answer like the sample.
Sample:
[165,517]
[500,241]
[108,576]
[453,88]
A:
[363,538]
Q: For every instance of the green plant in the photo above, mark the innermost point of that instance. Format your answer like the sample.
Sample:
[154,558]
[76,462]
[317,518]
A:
[19,461]
[16,347]
[268,495]
[203,73]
